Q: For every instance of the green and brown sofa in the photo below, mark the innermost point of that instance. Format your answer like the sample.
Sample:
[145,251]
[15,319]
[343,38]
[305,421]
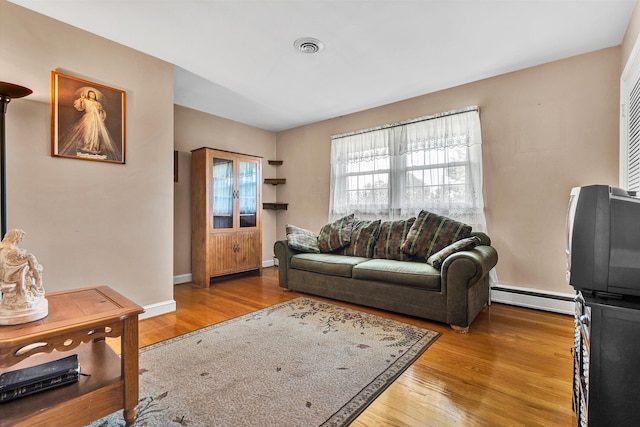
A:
[428,266]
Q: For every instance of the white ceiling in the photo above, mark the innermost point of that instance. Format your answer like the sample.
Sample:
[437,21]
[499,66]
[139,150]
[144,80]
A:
[235,58]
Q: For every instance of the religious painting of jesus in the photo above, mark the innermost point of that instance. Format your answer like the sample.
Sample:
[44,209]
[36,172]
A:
[87,120]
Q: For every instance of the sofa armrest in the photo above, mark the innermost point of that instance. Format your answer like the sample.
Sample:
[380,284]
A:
[484,238]
[466,283]
[284,253]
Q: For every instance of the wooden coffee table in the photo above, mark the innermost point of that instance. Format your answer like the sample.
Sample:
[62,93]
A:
[79,320]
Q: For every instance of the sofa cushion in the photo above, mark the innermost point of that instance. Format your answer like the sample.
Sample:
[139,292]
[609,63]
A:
[329,264]
[301,239]
[336,235]
[431,232]
[363,238]
[390,238]
[438,258]
[416,274]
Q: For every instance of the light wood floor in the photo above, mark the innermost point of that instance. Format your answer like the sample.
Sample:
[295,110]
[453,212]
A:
[514,368]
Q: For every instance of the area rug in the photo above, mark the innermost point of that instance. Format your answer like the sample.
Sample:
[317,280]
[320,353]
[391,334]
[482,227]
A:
[297,363]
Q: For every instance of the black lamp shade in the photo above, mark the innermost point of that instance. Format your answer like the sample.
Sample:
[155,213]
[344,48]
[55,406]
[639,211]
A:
[11,90]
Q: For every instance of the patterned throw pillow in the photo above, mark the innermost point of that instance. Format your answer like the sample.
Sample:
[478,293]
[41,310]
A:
[432,232]
[363,238]
[438,258]
[392,234]
[301,239]
[336,235]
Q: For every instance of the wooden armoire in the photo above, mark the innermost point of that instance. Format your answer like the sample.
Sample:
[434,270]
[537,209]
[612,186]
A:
[226,220]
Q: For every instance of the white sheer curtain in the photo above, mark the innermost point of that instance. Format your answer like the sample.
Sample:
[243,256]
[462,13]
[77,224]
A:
[248,182]
[222,187]
[396,170]
[360,175]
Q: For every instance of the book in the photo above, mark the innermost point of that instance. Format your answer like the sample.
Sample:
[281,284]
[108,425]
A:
[58,381]
[26,381]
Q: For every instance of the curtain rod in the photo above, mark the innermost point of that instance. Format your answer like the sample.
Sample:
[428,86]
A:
[406,122]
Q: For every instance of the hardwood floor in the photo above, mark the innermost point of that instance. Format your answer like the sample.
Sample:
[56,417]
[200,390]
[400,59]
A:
[514,368]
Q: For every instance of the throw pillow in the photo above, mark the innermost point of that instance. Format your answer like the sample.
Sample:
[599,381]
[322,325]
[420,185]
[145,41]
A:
[438,258]
[301,239]
[432,232]
[336,235]
[363,238]
[392,234]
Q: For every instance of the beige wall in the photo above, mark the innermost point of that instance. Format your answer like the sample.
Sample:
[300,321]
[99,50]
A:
[545,129]
[194,129]
[630,36]
[90,223]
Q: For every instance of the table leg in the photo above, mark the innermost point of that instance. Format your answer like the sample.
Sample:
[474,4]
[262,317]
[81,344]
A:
[129,348]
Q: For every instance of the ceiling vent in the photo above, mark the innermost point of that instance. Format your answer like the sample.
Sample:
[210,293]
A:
[308,45]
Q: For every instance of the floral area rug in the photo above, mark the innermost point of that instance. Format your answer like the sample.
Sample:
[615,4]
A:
[297,363]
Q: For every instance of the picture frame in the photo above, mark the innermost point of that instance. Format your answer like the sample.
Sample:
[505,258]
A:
[88,120]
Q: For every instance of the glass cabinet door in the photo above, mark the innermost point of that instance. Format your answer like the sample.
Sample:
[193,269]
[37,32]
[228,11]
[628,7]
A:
[248,193]
[222,187]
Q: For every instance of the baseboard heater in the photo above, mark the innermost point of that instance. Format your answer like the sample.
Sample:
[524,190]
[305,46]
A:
[532,298]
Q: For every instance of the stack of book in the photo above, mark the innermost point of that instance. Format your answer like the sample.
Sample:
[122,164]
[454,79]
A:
[26,381]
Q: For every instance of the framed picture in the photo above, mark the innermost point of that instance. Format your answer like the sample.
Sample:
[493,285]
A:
[87,120]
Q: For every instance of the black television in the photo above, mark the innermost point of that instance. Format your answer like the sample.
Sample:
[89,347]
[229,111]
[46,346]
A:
[603,241]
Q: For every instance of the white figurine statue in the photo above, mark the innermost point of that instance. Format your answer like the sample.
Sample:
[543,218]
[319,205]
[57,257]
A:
[22,294]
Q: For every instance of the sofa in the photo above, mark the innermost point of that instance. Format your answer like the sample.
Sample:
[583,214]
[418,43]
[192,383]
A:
[427,266]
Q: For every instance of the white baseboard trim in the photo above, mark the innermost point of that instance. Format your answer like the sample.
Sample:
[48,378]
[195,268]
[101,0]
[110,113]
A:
[182,278]
[157,309]
[268,263]
[557,302]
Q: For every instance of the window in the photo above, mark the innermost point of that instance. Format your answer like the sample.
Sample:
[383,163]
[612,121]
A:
[630,122]
[368,181]
[438,173]
[394,171]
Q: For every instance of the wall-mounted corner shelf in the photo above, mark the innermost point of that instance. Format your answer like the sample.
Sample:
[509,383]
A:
[275,181]
[275,206]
